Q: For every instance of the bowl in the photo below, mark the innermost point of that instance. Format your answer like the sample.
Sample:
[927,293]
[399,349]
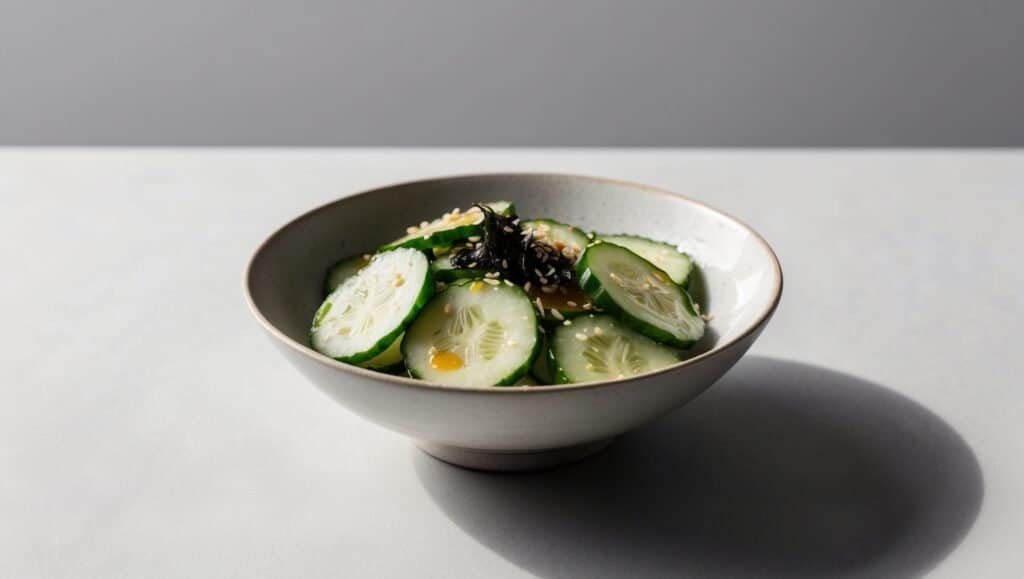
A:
[525,427]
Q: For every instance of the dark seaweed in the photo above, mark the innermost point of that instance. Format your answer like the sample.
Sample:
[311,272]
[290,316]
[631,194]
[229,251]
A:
[506,248]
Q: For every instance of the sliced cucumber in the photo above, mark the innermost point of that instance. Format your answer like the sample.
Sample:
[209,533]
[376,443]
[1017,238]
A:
[569,240]
[388,360]
[343,270]
[362,318]
[448,229]
[626,284]
[445,272]
[527,380]
[675,263]
[541,369]
[473,334]
[597,348]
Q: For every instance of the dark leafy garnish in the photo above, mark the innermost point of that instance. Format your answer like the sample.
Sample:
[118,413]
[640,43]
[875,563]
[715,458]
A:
[507,248]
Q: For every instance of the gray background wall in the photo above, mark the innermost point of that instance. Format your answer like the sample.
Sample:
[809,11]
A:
[700,72]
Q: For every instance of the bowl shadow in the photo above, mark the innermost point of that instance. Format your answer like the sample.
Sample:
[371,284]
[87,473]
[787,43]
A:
[781,469]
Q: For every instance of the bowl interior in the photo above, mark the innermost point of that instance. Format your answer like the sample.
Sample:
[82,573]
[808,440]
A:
[741,274]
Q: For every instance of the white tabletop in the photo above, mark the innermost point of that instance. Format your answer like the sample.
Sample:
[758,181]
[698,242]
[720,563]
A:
[149,429]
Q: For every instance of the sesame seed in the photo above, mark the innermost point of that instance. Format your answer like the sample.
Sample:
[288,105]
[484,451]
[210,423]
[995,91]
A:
[509,283]
[527,286]
[557,315]
[537,271]
[551,271]
[474,238]
[492,281]
[567,323]
[540,305]
[598,331]
[366,257]
[456,211]
[472,265]
[424,224]
[515,221]
[427,236]
[543,281]
[588,306]
[542,330]
[508,229]
[504,264]
[581,337]
[469,245]
[448,309]
[399,281]
[492,274]
[571,304]
[707,317]
[548,289]
[412,230]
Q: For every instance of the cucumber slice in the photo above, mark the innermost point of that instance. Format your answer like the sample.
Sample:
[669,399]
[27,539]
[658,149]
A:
[569,240]
[598,348]
[670,260]
[388,360]
[361,318]
[527,380]
[443,270]
[343,270]
[473,334]
[449,228]
[572,303]
[646,299]
[541,369]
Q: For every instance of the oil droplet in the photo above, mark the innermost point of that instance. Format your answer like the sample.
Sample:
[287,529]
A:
[445,361]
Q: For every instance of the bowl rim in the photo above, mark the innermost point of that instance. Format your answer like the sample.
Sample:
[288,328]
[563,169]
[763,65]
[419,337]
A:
[403,381]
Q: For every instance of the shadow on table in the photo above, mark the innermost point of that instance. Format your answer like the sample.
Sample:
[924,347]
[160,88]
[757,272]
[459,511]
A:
[780,469]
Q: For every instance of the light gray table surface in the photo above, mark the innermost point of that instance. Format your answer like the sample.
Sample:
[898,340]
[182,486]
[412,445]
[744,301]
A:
[148,429]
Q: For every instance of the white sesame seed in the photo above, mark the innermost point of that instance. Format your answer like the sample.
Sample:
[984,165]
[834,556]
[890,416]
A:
[473,238]
[491,281]
[412,230]
[492,274]
[567,323]
[548,289]
[557,315]
[571,304]
[504,264]
[542,330]
[588,305]
[527,286]
[515,221]
[456,211]
[707,317]
[508,229]
[423,224]
[540,305]
[469,245]
[581,337]
[537,271]
[509,283]
[472,265]
[543,281]
[551,271]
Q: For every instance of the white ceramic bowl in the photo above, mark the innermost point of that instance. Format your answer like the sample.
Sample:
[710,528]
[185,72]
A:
[515,428]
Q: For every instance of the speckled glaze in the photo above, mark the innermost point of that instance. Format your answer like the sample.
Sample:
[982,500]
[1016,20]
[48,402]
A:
[515,428]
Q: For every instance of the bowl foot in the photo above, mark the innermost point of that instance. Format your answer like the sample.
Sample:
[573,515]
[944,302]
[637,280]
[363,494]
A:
[512,460]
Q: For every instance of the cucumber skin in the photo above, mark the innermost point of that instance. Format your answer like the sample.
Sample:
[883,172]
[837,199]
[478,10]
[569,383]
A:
[685,284]
[446,237]
[601,298]
[558,375]
[426,292]
[518,372]
[437,239]
[551,222]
